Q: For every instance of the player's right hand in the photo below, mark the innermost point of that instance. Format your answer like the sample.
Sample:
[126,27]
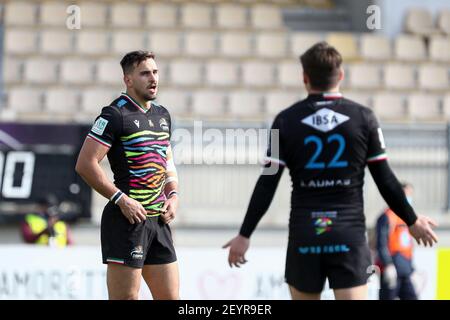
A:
[238,247]
[132,209]
[422,232]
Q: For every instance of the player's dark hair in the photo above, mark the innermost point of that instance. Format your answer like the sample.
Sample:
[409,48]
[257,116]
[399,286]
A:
[321,63]
[132,59]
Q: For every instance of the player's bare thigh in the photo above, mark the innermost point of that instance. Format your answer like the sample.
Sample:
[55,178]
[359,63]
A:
[162,280]
[355,293]
[123,282]
[299,295]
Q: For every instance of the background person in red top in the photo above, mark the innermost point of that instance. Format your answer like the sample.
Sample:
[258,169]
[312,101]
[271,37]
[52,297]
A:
[394,248]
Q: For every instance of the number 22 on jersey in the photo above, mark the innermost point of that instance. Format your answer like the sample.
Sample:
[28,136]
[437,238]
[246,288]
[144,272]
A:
[318,143]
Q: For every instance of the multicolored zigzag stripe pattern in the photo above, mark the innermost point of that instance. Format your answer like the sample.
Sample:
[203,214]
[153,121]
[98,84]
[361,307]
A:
[146,154]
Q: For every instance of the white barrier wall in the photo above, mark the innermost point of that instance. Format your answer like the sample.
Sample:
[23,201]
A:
[32,272]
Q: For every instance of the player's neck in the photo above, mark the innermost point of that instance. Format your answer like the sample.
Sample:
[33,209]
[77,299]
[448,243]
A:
[144,104]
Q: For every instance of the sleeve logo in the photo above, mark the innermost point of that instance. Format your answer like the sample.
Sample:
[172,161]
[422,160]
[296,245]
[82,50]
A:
[380,136]
[99,126]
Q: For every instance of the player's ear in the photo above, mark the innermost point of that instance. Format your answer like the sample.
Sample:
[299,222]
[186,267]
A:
[127,80]
[341,74]
[305,78]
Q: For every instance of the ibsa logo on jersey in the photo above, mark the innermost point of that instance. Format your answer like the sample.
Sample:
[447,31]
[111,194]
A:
[325,120]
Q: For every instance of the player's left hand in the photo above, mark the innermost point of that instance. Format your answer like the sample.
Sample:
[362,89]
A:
[238,247]
[170,208]
[422,231]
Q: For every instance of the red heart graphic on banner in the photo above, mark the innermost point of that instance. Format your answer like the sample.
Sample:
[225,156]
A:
[215,286]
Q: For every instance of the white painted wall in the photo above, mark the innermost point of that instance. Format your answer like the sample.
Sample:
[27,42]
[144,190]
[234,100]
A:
[36,273]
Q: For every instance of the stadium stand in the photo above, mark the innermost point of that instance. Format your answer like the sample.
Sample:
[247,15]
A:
[420,21]
[200,48]
[444,21]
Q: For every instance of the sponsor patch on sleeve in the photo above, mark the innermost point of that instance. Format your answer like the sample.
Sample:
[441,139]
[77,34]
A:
[380,136]
[99,126]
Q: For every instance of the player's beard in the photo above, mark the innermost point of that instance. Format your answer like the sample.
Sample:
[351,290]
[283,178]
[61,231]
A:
[147,96]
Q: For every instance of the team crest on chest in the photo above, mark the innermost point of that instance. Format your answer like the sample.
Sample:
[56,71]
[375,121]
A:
[163,124]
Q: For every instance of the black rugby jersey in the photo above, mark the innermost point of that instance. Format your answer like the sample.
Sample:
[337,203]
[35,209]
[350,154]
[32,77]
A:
[139,141]
[326,142]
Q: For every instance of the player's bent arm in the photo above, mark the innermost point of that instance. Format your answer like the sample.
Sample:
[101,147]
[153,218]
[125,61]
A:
[88,167]
[260,201]
[171,204]
[170,189]
[171,186]
[392,191]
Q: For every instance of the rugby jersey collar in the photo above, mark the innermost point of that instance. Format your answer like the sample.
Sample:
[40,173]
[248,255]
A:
[325,96]
[134,102]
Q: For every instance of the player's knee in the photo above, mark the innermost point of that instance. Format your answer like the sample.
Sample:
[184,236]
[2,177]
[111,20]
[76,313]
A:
[131,296]
[168,295]
[124,296]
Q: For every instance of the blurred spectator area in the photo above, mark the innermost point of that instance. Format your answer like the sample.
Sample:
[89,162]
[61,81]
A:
[218,59]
